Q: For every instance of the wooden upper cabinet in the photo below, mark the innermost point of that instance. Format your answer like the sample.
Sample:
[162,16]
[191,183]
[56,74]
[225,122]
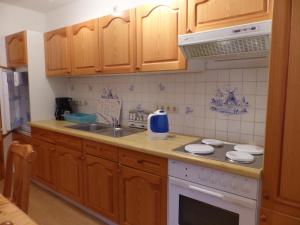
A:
[117,42]
[158,27]
[57,52]
[16,49]
[209,14]
[143,198]
[281,183]
[85,48]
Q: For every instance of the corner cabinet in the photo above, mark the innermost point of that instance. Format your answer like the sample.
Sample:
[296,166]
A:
[84,48]
[210,14]
[158,27]
[117,42]
[16,49]
[57,52]
[281,183]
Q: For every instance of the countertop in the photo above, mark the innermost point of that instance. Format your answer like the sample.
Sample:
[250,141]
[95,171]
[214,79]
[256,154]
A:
[141,143]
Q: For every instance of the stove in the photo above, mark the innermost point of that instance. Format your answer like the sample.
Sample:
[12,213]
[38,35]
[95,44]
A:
[220,155]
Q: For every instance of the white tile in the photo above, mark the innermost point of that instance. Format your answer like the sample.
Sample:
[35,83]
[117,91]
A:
[209,133]
[262,88]
[221,135]
[260,116]
[221,125]
[249,88]
[210,124]
[261,102]
[247,127]
[260,129]
[247,139]
[259,140]
[234,126]
[234,137]
[223,76]
[211,87]
[249,74]
[211,75]
[236,75]
[189,131]
[263,74]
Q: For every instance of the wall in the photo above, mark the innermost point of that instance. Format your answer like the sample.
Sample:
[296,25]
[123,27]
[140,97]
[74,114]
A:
[83,10]
[192,94]
[14,19]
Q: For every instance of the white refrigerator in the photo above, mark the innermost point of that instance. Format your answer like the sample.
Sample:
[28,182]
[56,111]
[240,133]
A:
[14,99]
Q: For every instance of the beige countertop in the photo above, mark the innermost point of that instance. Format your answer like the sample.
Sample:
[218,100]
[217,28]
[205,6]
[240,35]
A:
[141,143]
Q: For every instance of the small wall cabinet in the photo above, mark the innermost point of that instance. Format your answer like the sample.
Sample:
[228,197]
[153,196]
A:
[57,52]
[16,49]
[117,42]
[85,48]
[210,14]
[158,27]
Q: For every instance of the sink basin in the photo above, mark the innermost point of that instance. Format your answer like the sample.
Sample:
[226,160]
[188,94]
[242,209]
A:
[92,127]
[106,130]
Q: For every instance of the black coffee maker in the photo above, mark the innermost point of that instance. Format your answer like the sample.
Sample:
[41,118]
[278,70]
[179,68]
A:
[63,106]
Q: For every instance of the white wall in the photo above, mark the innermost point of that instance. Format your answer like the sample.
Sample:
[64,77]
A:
[83,10]
[42,90]
[14,19]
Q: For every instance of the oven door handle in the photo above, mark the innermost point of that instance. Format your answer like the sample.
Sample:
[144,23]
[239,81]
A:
[235,200]
[208,192]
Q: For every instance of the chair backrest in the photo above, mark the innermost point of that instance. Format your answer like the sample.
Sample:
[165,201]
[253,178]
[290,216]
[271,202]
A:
[18,171]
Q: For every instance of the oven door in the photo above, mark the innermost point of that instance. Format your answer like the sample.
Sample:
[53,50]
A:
[193,204]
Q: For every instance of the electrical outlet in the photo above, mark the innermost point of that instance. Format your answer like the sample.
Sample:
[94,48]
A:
[167,107]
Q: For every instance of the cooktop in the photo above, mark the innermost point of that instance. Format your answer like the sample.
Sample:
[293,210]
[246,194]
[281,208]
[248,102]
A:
[220,155]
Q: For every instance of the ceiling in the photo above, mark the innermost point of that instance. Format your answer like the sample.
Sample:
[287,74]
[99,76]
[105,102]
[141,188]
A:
[38,5]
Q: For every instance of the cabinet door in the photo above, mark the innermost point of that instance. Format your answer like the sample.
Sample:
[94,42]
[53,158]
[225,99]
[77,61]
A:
[16,49]
[158,26]
[281,183]
[101,186]
[269,217]
[69,173]
[84,48]
[210,14]
[45,163]
[57,52]
[117,42]
[142,198]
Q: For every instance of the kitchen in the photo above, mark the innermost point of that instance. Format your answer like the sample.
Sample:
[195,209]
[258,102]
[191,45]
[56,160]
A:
[221,149]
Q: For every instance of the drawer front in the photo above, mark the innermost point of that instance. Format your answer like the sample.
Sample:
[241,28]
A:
[144,162]
[100,150]
[43,135]
[69,142]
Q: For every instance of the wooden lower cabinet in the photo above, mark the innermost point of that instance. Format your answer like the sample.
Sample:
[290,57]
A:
[101,186]
[143,198]
[45,163]
[269,217]
[69,165]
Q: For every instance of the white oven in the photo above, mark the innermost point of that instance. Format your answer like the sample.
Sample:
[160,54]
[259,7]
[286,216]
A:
[203,196]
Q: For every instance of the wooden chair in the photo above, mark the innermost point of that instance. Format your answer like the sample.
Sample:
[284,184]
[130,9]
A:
[17,177]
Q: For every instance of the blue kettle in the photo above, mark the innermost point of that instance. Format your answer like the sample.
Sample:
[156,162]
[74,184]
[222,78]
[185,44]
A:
[158,125]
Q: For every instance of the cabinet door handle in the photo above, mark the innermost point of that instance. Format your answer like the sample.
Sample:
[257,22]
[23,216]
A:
[263,218]
[141,161]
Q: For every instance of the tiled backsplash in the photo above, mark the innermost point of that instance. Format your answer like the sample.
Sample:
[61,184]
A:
[223,104]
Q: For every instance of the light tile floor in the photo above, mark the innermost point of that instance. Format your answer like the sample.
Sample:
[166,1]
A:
[47,209]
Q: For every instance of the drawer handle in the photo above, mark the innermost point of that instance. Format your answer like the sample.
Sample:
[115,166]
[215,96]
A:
[141,161]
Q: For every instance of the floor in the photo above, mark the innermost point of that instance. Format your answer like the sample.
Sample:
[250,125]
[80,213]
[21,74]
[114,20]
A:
[47,209]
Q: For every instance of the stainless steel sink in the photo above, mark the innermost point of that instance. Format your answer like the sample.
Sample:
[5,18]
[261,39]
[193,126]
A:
[106,130]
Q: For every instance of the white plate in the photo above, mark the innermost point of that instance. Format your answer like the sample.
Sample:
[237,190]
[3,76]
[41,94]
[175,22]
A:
[242,157]
[199,149]
[212,142]
[251,149]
